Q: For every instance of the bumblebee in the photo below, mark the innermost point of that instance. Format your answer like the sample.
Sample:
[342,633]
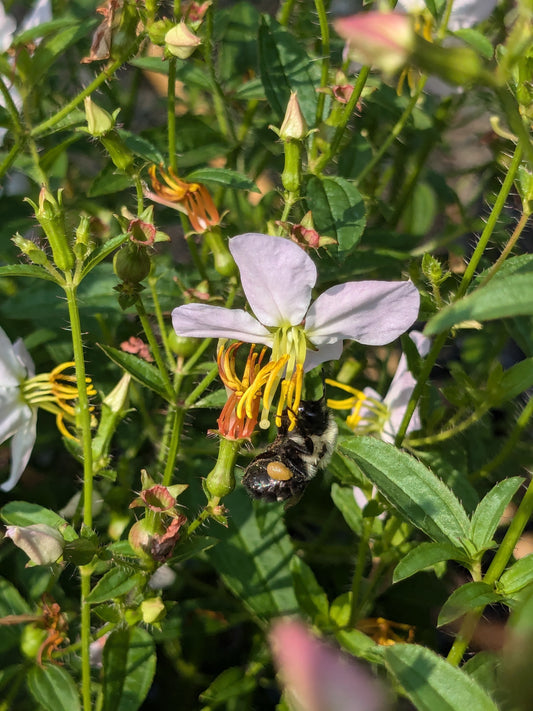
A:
[283,470]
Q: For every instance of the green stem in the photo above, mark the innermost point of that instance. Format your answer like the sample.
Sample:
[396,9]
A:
[510,444]
[359,85]
[452,431]
[513,239]
[284,13]
[395,132]
[358,572]
[176,417]
[152,282]
[440,340]
[10,107]
[171,114]
[10,158]
[104,76]
[139,192]
[154,347]
[84,424]
[202,385]
[324,34]
[225,125]
[496,568]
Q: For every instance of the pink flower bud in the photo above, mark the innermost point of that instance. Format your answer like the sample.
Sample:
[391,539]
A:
[42,544]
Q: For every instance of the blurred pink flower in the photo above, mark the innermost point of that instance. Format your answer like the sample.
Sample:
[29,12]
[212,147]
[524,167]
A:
[317,677]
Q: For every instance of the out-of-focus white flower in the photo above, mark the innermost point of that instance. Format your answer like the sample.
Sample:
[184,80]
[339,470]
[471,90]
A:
[42,544]
[17,419]
[373,414]
[465,13]
[40,13]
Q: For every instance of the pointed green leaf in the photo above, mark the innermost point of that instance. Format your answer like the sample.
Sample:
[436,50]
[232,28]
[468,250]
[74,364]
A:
[311,597]
[53,688]
[286,66]
[254,555]
[102,252]
[432,683]
[424,555]
[360,645]
[116,582]
[516,380]
[476,40]
[231,684]
[517,576]
[223,176]
[489,511]
[411,488]
[344,500]
[143,372]
[338,210]
[501,298]
[26,270]
[466,598]
[24,513]
[129,663]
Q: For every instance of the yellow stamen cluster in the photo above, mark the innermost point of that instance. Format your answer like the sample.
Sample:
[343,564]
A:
[374,415]
[57,393]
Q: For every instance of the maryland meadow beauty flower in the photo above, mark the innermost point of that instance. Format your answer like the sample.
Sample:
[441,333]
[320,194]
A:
[373,414]
[277,278]
[21,393]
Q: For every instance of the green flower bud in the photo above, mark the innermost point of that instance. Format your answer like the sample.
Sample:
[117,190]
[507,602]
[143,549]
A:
[221,480]
[181,42]
[224,262]
[42,544]
[34,253]
[31,640]
[294,127]
[183,346]
[50,216]
[131,263]
[291,177]
[153,610]
[158,30]
[99,121]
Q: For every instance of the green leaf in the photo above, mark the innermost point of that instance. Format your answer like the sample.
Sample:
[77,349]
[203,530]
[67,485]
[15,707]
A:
[231,684]
[410,487]
[338,210]
[516,380]
[489,511]
[286,66]
[425,555]
[253,557]
[311,597]
[102,252]
[517,576]
[476,40]
[11,603]
[501,298]
[432,683]
[26,270]
[109,181]
[143,372]
[191,548]
[116,582]
[217,399]
[129,663]
[223,176]
[141,147]
[344,500]
[24,513]
[466,598]
[53,688]
[360,645]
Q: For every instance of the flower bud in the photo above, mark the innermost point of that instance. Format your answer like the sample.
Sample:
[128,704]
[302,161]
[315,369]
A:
[131,264]
[50,216]
[382,39]
[294,127]
[42,544]
[99,121]
[34,253]
[224,262]
[153,610]
[183,346]
[181,42]
[119,153]
[221,480]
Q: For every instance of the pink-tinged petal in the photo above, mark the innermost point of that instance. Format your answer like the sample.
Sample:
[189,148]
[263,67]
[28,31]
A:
[277,277]
[331,351]
[205,321]
[12,370]
[21,448]
[371,312]
[24,357]
[316,677]
[14,413]
[383,39]
[401,389]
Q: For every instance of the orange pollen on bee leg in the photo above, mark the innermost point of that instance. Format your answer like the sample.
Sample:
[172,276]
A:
[278,471]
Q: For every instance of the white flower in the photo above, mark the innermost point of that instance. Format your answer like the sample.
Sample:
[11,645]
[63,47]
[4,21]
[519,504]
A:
[278,277]
[40,13]
[42,543]
[17,419]
[465,13]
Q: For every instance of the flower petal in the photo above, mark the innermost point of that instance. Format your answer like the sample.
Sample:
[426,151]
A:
[331,351]
[21,448]
[371,312]
[277,277]
[205,321]
[12,370]
[14,413]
